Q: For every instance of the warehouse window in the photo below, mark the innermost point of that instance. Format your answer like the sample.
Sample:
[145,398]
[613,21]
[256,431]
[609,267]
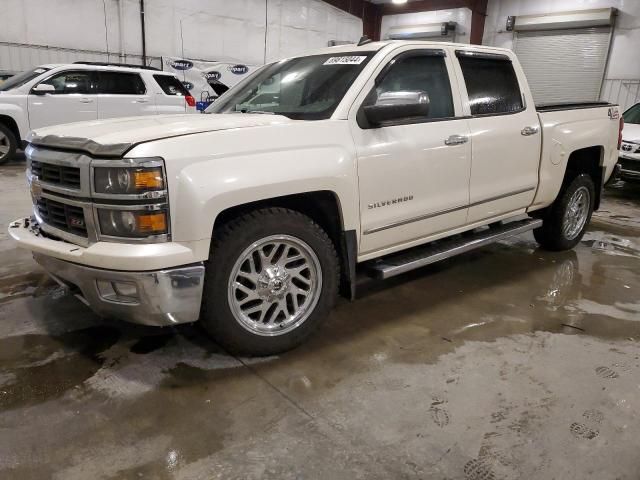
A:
[70,82]
[120,83]
[419,73]
[492,85]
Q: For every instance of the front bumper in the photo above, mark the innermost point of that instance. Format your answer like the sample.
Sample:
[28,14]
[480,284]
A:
[158,297]
[629,164]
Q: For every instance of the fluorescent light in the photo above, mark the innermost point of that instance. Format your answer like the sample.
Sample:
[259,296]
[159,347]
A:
[399,1]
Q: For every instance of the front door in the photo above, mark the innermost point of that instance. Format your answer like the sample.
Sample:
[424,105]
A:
[505,136]
[413,173]
[71,100]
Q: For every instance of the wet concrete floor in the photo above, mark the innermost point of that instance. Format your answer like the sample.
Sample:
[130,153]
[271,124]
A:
[506,363]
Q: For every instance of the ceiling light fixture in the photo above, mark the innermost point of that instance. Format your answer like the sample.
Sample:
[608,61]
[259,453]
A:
[399,1]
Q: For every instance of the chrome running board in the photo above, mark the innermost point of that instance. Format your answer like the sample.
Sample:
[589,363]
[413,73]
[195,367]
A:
[405,261]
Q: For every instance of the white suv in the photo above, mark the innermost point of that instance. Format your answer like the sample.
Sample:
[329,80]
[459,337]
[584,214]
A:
[54,94]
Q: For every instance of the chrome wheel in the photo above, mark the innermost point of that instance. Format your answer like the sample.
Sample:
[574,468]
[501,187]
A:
[275,285]
[577,213]
[5,145]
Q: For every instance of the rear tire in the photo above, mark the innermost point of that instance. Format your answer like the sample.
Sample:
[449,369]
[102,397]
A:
[272,278]
[567,218]
[8,144]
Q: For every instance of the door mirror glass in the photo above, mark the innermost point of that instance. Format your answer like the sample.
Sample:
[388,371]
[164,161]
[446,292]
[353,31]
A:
[397,105]
[43,88]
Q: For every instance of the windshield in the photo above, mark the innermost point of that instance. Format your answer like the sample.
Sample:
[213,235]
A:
[21,79]
[632,115]
[305,88]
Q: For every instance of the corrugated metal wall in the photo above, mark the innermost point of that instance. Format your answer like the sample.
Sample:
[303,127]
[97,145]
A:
[623,92]
[16,57]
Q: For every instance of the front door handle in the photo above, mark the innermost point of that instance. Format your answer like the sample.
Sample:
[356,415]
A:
[456,140]
[142,100]
[86,100]
[526,131]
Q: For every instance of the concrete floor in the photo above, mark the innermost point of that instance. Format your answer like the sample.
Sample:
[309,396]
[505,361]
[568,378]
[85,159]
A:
[506,363]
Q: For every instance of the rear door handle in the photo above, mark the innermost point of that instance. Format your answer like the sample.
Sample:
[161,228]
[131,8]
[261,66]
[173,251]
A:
[526,131]
[456,140]
[86,100]
[142,100]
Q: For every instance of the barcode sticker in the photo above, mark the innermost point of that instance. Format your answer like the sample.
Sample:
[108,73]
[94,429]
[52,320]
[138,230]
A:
[350,60]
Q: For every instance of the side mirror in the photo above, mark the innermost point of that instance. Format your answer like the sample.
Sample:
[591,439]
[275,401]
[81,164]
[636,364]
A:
[43,88]
[396,106]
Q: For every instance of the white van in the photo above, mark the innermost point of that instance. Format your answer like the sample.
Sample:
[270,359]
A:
[54,94]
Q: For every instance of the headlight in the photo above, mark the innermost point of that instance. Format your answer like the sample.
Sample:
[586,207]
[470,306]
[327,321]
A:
[133,223]
[128,180]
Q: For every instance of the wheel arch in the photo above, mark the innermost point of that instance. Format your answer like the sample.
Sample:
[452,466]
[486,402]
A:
[587,160]
[325,209]
[11,124]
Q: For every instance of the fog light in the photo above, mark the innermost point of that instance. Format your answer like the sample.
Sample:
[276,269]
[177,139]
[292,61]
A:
[118,292]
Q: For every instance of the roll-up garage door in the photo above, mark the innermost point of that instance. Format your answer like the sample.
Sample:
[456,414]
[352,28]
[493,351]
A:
[564,65]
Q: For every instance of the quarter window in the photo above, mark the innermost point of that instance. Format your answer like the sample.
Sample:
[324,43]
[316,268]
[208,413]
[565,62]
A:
[492,85]
[119,83]
[419,73]
[70,82]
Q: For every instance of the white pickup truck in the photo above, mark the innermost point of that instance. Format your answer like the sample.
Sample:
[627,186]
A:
[376,159]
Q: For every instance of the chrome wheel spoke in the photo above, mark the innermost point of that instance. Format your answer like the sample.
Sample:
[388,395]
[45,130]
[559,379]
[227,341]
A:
[576,214]
[275,285]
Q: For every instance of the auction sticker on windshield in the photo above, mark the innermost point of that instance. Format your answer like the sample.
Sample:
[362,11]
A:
[350,60]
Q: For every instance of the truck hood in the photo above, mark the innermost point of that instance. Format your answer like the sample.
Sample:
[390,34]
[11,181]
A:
[631,132]
[113,138]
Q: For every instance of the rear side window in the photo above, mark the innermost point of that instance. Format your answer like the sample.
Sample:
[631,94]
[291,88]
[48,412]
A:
[120,83]
[171,85]
[492,84]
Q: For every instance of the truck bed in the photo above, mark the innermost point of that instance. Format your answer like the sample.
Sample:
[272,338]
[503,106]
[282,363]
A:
[554,107]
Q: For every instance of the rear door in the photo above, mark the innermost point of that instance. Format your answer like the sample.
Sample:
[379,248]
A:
[72,100]
[171,96]
[123,94]
[505,135]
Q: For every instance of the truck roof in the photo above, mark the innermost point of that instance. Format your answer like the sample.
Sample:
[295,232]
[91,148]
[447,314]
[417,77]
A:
[375,46]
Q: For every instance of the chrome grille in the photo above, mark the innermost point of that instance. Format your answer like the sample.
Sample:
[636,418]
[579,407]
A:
[67,218]
[56,174]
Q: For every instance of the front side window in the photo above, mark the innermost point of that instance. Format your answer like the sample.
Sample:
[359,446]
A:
[120,83]
[69,82]
[19,80]
[492,84]
[632,115]
[425,73]
[305,88]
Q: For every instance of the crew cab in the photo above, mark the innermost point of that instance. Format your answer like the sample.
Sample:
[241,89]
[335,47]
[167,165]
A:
[373,160]
[55,94]
[629,161]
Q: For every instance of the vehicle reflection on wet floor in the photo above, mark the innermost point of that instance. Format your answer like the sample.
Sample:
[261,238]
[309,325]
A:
[508,362]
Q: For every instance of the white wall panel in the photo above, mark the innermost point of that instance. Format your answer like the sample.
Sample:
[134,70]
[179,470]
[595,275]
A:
[462,16]
[624,57]
[228,30]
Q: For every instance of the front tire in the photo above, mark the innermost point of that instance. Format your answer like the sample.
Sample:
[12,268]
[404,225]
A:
[567,218]
[8,144]
[270,281]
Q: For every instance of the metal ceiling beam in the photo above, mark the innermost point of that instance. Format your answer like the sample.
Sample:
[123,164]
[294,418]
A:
[371,14]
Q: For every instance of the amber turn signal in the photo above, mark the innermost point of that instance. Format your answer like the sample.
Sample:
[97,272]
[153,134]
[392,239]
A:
[149,179]
[153,223]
